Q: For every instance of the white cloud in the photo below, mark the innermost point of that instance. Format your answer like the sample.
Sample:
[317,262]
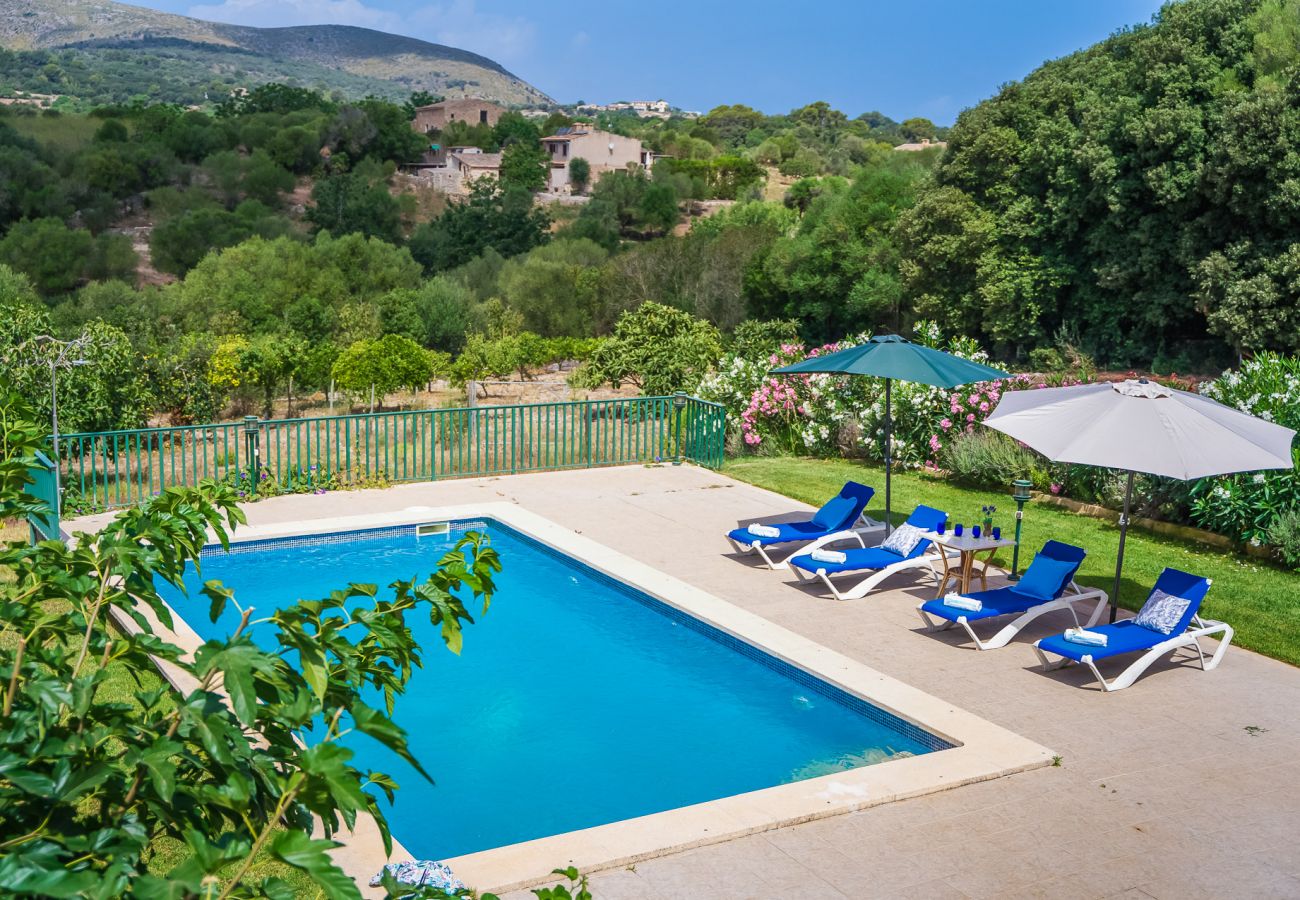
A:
[579,40]
[459,23]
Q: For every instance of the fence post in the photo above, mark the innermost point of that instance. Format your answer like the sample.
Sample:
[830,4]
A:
[45,486]
[679,407]
[587,412]
[251,442]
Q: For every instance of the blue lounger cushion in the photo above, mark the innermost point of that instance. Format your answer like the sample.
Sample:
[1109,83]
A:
[857,559]
[1045,578]
[840,513]
[996,602]
[1130,637]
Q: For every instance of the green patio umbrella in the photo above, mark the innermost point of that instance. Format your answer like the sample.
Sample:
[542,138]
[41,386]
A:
[891,357]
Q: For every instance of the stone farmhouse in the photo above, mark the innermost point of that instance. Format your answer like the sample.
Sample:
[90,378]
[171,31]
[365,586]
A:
[603,151]
[436,116]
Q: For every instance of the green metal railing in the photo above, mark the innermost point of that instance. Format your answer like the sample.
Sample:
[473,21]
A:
[45,488]
[120,468]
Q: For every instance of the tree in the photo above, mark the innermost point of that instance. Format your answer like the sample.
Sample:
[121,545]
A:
[267,362]
[178,243]
[838,274]
[658,207]
[555,287]
[253,285]
[357,202]
[917,129]
[579,174]
[384,365]
[504,220]
[524,165]
[99,778]
[656,348]
[50,253]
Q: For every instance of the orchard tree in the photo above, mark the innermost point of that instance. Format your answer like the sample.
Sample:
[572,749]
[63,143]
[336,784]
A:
[385,365]
[267,362]
[656,348]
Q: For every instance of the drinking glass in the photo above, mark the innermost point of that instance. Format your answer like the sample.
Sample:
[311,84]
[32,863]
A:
[975,531]
[957,529]
[997,533]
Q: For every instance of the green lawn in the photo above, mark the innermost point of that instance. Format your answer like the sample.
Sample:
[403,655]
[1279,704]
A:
[1261,601]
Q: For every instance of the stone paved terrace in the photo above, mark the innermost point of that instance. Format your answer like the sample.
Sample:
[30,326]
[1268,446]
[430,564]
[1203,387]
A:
[1185,785]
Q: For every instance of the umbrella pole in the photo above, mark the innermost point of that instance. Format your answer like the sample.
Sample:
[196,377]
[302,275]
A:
[1123,533]
[889,443]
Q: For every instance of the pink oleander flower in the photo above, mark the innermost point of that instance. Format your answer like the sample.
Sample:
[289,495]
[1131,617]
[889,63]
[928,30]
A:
[752,439]
[970,417]
[934,443]
[1055,488]
[945,424]
[984,407]
[974,398]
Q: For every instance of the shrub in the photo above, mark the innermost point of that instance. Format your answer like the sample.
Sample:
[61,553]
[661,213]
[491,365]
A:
[1284,535]
[1244,506]
[986,458]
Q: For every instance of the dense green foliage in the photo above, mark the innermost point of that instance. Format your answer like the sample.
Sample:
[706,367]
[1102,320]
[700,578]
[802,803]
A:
[246,763]
[657,348]
[1140,193]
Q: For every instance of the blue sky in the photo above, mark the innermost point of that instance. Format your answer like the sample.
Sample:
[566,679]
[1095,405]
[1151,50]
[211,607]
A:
[903,58]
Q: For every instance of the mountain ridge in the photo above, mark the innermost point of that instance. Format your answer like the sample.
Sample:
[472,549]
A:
[407,63]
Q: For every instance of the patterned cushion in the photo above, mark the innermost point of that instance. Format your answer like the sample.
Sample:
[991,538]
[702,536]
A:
[904,539]
[1162,611]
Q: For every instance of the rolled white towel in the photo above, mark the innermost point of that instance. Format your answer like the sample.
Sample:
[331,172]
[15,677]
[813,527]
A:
[957,601]
[763,531]
[830,556]
[1080,636]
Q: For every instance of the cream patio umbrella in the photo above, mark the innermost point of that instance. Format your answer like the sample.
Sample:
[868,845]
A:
[1140,426]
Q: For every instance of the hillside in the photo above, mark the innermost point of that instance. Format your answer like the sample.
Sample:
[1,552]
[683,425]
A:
[188,58]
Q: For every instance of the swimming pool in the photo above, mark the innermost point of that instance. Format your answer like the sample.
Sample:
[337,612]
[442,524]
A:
[577,700]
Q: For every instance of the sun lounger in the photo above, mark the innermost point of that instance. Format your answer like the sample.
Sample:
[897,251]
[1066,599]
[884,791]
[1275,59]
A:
[1047,585]
[1129,636]
[880,560]
[842,518]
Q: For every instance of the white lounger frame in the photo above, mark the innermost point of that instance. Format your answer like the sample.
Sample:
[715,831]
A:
[1198,629]
[860,590]
[864,525]
[1074,595]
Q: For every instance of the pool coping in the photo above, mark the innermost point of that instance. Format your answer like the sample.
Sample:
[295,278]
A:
[982,750]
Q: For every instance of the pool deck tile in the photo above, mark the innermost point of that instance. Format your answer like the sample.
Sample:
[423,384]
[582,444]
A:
[1162,791]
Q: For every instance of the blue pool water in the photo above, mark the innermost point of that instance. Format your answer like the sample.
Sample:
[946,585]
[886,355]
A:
[576,701]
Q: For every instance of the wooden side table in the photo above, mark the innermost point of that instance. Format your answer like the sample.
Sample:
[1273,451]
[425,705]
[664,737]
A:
[969,549]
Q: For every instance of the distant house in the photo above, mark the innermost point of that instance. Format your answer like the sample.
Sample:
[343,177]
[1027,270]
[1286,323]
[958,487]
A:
[436,116]
[603,151]
[473,164]
[925,144]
